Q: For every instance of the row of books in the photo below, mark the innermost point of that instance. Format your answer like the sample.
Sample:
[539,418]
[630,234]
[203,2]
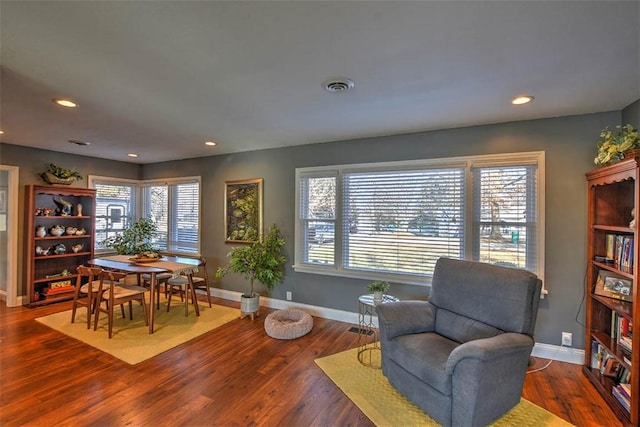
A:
[622,333]
[620,251]
[622,393]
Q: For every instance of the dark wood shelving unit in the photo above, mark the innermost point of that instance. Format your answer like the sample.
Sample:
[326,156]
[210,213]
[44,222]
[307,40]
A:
[613,196]
[44,271]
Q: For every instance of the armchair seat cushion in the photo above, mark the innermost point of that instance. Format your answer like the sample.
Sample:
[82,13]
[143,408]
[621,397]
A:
[425,357]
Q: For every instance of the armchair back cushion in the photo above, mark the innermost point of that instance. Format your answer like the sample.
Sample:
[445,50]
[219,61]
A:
[495,299]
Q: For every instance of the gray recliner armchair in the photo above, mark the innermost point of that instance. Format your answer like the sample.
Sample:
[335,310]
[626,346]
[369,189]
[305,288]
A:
[462,356]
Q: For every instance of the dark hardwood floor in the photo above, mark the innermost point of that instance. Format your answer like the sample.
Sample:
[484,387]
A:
[234,375]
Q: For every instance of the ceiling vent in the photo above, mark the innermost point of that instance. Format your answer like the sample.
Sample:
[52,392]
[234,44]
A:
[338,85]
[80,143]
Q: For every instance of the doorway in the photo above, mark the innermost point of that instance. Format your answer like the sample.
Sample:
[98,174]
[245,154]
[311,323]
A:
[9,176]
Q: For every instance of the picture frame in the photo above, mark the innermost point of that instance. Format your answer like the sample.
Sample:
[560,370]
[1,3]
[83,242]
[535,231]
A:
[243,210]
[611,285]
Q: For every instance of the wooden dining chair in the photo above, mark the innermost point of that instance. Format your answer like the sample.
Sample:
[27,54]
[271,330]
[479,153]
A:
[86,292]
[114,292]
[180,284]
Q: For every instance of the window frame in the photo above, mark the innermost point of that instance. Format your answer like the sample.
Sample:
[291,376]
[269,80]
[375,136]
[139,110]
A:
[467,162]
[139,204]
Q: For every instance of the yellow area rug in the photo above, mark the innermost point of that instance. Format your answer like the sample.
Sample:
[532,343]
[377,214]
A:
[131,341]
[369,389]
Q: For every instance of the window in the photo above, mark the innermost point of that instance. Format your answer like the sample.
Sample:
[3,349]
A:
[174,206]
[115,208]
[394,220]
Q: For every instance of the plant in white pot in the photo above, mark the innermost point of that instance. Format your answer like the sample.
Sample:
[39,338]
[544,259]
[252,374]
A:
[261,261]
[379,287]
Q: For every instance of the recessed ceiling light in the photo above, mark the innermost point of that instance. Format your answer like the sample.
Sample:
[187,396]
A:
[338,84]
[132,155]
[1,132]
[523,99]
[210,143]
[65,102]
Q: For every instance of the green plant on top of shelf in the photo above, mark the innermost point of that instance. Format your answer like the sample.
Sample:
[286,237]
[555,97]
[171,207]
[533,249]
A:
[614,143]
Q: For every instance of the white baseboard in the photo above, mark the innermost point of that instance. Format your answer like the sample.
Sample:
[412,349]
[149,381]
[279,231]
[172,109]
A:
[545,351]
[556,352]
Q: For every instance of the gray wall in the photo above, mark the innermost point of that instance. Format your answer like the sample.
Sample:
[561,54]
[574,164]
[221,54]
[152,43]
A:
[570,146]
[569,143]
[32,162]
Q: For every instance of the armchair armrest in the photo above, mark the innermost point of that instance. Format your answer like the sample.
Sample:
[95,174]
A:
[405,317]
[490,348]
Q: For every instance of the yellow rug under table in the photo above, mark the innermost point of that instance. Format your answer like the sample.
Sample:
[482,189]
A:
[131,341]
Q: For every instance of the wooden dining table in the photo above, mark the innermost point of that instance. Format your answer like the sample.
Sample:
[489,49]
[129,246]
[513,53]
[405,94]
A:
[175,265]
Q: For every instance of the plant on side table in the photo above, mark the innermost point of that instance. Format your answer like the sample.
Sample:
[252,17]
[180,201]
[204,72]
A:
[261,261]
[379,287]
[135,240]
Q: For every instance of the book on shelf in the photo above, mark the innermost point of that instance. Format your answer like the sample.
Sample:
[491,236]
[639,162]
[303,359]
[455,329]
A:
[61,290]
[620,397]
[623,253]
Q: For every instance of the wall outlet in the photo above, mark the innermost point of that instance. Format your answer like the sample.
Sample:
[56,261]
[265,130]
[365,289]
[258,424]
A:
[567,339]
[288,295]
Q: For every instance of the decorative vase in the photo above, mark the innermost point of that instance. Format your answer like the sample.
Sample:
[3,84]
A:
[41,231]
[377,297]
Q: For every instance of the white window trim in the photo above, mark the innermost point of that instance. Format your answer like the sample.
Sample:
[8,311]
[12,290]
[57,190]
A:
[504,159]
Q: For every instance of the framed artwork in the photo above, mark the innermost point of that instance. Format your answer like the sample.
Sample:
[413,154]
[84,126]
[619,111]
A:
[613,286]
[243,210]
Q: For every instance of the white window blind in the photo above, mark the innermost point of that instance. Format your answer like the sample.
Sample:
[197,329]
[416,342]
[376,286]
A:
[115,209]
[505,215]
[175,208]
[318,218]
[403,221]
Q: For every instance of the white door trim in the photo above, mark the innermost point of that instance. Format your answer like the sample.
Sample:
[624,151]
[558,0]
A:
[11,294]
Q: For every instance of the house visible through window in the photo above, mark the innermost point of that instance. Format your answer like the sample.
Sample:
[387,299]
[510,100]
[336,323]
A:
[394,220]
[174,205]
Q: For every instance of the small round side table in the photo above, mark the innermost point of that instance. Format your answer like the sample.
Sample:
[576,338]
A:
[368,343]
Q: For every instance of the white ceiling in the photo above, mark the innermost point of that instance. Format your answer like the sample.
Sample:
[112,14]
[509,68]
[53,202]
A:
[161,77]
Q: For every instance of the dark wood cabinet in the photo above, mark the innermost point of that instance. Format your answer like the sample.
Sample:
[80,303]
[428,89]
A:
[611,347]
[59,233]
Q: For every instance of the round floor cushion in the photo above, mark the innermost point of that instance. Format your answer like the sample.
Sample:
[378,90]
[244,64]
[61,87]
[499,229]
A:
[288,324]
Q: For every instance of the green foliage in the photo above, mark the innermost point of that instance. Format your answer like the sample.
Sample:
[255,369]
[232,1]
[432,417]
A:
[261,260]
[63,173]
[378,286]
[134,240]
[613,144]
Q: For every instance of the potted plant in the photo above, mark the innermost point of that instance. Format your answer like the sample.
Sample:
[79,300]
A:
[614,143]
[135,239]
[379,287]
[261,261]
[58,175]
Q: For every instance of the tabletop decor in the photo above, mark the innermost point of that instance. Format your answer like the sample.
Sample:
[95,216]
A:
[135,239]
[243,210]
[614,143]
[378,288]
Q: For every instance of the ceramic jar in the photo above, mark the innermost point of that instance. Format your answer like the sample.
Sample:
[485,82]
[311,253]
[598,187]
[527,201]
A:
[41,231]
[56,230]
